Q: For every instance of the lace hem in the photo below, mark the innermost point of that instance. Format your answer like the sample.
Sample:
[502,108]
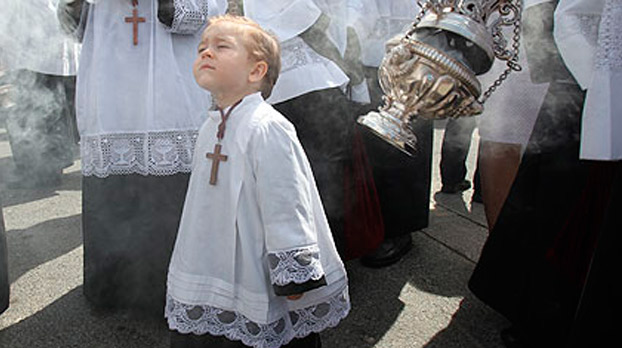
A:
[157,153]
[189,20]
[295,266]
[201,320]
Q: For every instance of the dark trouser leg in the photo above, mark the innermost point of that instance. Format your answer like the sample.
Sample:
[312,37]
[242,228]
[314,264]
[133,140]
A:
[456,144]
[402,182]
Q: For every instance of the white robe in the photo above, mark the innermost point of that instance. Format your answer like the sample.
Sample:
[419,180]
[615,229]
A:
[587,33]
[31,38]
[241,236]
[377,21]
[138,107]
[302,69]
[511,111]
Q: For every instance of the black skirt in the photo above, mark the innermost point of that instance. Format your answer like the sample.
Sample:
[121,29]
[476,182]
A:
[534,263]
[129,225]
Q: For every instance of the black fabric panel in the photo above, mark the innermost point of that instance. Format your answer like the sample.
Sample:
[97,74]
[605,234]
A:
[166,12]
[597,315]
[129,225]
[402,181]
[295,289]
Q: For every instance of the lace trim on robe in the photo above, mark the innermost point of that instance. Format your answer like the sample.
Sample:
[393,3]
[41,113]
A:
[609,53]
[189,19]
[155,153]
[295,266]
[296,53]
[202,319]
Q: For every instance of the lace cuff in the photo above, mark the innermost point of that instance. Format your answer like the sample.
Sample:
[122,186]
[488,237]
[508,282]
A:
[295,266]
[189,17]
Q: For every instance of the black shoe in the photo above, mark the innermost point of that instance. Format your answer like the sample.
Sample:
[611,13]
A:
[389,252]
[457,187]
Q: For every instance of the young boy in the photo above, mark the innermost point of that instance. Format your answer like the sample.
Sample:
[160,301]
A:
[254,263]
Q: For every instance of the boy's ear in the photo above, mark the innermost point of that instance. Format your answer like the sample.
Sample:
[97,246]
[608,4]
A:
[258,72]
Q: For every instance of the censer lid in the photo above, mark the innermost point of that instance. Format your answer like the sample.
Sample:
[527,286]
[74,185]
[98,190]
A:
[467,28]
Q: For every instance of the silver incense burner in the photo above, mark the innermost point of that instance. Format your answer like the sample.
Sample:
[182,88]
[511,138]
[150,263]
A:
[430,72]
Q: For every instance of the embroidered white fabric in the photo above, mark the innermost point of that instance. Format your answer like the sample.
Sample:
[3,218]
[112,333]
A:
[295,266]
[201,320]
[154,153]
[295,53]
[609,53]
[189,20]
[588,24]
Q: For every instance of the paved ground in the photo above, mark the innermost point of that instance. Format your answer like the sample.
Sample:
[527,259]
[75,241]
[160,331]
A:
[422,301]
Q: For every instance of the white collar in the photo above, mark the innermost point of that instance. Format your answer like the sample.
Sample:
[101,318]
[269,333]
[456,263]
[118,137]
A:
[248,100]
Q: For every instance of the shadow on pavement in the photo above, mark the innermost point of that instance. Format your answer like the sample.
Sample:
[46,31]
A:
[69,182]
[36,245]
[473,325]
[69,322]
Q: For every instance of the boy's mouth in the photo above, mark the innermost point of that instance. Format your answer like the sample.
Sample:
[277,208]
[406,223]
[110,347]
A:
[206,67]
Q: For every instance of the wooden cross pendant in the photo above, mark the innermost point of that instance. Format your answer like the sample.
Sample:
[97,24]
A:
[216,157]
[135,20]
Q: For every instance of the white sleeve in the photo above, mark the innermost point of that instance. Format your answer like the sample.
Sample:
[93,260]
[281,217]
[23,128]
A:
[285,18]
[284,182]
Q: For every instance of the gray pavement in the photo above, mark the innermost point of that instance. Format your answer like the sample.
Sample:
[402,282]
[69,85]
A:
[422,301]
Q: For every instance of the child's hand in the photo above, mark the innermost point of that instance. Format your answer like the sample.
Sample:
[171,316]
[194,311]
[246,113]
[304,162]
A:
[294,297]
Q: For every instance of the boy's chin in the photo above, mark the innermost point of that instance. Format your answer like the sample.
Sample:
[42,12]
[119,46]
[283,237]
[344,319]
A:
[206,85]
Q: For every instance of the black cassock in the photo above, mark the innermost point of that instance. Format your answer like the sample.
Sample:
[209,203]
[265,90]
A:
[548,264]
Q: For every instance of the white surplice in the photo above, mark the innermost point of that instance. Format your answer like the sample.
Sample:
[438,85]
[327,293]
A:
[302,69]
[587,33]
[377,21]
[249,232]
[31,38]
[511,111]
[138,106]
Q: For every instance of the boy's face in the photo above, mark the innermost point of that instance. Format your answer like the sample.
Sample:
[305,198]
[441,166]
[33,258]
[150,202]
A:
[222,64]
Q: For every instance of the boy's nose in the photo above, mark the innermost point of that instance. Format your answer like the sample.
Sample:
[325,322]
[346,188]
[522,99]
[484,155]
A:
[207,53]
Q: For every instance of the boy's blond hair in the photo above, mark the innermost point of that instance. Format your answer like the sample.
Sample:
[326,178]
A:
[261,45]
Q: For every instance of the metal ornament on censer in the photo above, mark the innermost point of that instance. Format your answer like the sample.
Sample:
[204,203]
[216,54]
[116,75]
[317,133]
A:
[430,72]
